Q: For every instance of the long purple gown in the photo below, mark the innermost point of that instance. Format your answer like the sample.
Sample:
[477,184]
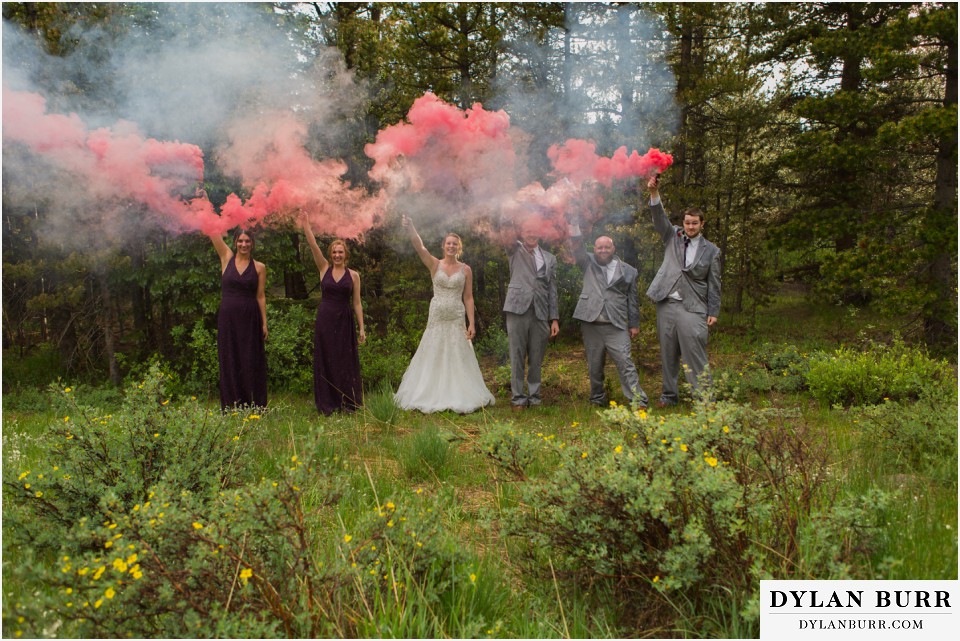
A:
[243,359]
[336,358]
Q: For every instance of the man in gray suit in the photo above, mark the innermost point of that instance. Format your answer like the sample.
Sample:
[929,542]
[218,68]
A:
[609,316]
[686,290]
[531,310]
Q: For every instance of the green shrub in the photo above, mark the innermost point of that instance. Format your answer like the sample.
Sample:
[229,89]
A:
[878,373]
[197,363]
[495,342]
[512,449]
[688,502]
[914,438]
[25,399]
[384,358]
[234,563]
[39,367]
[290,347]
[97,457]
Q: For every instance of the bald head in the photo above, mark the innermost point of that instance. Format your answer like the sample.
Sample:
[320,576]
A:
[603,249]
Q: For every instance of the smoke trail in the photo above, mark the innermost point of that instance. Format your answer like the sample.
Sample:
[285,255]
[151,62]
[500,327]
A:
[465,161]
[230,82]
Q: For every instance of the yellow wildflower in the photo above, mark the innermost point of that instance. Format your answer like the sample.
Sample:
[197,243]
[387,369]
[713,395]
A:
[347,538]
[683,447]
[68,389]
[109,593]
[711,461]
[473,578]
[245,574]
[618,449]
[98,603]
[197,526]
[108,544]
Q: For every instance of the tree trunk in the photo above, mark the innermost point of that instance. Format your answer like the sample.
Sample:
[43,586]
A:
[106,320]
[938,328]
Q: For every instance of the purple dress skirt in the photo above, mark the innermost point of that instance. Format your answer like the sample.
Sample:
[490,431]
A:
[336,358]
[240,348]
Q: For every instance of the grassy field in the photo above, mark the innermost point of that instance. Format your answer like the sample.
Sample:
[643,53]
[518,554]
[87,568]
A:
[501,585]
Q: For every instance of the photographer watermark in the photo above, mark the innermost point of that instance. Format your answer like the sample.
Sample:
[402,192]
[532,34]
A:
[858,609]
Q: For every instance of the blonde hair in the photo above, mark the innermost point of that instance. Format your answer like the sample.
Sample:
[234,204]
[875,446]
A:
[459,242]
[346,250]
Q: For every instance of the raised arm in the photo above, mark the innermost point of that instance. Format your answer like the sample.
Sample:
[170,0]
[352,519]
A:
[428,260]
[357,305]
[576,244]
[660,221]
[224,252]
[318,258]
[468,304]
[509,236]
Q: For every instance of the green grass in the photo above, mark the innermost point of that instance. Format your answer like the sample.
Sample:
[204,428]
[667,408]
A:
[392,455]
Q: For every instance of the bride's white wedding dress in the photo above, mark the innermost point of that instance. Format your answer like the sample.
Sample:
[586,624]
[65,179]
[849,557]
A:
[444,373]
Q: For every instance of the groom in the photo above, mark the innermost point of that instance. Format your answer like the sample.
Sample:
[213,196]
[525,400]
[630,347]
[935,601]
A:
[531,310]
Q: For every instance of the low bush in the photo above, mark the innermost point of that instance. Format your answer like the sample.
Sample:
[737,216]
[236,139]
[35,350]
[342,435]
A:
[685,503]
[384,358]
[877,373]
[914,438]
[98,457]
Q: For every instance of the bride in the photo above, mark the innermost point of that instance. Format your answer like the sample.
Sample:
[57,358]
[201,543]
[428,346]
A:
[444,374]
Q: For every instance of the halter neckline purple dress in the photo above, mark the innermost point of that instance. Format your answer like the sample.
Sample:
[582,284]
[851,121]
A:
[336,356]
[240,347]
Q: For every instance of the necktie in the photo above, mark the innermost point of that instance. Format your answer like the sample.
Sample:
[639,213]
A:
[686,245]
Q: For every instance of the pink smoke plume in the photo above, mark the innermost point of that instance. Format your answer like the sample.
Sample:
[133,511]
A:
[463,158]
[466,160]
[112,164]
[578,161]
[268,155]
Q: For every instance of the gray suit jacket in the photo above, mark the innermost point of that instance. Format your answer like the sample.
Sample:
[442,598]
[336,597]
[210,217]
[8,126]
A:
[528,288]
[619,298]
[699,284]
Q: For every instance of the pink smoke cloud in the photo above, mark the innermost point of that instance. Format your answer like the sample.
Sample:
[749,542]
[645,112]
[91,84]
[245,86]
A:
[112,164]
[466,159]
[578,161]
[268,155]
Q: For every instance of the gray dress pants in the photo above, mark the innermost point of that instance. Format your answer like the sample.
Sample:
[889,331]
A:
[600,339]
[527,336]
[683,336]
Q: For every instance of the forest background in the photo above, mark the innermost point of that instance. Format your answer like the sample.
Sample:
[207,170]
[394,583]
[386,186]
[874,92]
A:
[820,139]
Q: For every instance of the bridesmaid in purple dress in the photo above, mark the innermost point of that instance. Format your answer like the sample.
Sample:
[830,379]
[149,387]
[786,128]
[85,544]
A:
[336,357]
[241,324]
